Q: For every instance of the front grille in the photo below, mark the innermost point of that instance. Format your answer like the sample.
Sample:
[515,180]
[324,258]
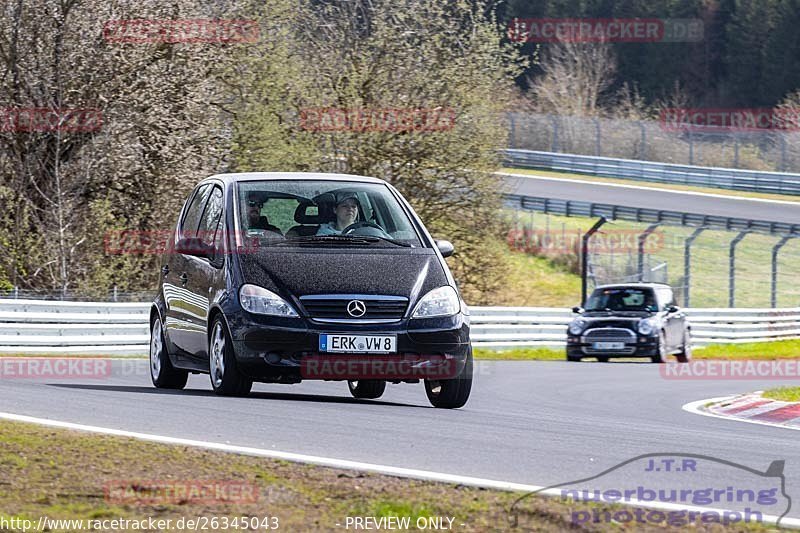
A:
[609,335]
[334,307]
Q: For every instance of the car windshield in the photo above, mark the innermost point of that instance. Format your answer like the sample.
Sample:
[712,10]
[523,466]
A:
[622,299]
[323,213]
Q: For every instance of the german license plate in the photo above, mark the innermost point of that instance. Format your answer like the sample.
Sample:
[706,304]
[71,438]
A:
[334,343]
[608,345]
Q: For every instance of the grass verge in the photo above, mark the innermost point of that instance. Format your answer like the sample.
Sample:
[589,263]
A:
[787,349]
[61,474]
[784,394]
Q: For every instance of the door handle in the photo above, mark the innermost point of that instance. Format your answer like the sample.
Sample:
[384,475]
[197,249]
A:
[184,278]
[165,270]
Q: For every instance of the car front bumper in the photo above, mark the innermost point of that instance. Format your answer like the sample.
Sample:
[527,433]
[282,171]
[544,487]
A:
[274,349]
[644,347]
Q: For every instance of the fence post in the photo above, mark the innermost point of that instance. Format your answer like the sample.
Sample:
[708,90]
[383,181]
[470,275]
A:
[513,121]
[115,293]
[732,268]
[691,146]
[783,152]
[735,150]
[585,255]
[16,292]
[596,137]
[555,133]
[642,238]
[643,151]
[687,264]
[773,294]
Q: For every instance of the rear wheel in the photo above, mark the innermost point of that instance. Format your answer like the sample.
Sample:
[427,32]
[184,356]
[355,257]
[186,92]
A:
[367,389]
[226,380]
[685,354]
[162,373]
[574,358]
[451,393]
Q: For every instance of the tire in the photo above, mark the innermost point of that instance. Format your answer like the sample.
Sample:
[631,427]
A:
[574,358]
[451,393]
[162,373]
[602,358]
[661,355]
[367,389]
[226,380]
[685,355]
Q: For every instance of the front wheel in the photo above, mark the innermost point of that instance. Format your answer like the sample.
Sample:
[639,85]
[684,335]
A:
[162,373]
[367,389]
[661,350]
[226,380]
[451,393]
[685,354]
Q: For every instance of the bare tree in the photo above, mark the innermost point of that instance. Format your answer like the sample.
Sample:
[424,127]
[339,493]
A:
[574,79]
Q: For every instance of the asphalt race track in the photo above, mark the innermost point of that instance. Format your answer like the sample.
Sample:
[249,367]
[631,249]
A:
[652,198]
[539,423]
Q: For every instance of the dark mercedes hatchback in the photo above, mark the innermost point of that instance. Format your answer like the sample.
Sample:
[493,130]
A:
[282,277]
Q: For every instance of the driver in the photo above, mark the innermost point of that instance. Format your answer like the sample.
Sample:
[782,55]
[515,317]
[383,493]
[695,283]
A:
[346,211]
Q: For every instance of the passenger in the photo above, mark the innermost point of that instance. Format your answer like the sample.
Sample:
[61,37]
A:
[255,220]
[346,213]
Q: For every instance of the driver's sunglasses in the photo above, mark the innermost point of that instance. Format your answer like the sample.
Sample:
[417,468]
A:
[254,203]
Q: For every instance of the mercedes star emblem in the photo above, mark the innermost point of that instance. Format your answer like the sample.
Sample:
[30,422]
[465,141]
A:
[356,308]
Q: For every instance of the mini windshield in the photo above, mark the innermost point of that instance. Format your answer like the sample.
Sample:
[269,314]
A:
[323,213]
[622,299]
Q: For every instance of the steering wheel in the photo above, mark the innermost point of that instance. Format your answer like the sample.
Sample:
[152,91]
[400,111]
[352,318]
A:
[352,227]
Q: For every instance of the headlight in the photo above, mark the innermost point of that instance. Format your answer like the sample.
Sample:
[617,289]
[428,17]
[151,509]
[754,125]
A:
[438,302]
[647,326]
[577,326]
[263,302]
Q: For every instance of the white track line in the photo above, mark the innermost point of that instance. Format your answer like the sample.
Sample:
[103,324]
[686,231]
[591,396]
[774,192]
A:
[656,189]
[695,408]
[355,465]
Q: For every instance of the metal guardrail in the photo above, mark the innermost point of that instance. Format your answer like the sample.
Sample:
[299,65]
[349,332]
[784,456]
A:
[718,178]
[641,214]
[86,328]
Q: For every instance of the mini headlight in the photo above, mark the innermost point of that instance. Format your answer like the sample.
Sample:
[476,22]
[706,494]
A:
[263,302]
[577,326]
[647,326]
[438,302]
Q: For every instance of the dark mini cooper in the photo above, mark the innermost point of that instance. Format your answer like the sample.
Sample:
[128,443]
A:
[632,320]
[277,278]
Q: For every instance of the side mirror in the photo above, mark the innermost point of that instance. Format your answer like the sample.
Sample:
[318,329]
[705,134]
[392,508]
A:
[195,247]
[577,309]
[673,309]
[445,248]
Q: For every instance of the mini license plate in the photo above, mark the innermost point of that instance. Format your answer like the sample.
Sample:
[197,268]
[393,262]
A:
[608,345]
[334,343]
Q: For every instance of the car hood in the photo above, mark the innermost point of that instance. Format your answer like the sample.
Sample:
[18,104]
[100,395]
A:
[401,272]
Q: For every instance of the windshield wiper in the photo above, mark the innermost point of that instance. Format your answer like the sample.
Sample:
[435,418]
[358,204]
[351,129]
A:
[327,239]
[393,241]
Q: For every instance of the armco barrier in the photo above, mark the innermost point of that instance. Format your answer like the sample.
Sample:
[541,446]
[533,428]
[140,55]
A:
[35,326]
[719,178]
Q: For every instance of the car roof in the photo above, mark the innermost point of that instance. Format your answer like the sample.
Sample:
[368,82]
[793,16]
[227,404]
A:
[276,176]
[641,284]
